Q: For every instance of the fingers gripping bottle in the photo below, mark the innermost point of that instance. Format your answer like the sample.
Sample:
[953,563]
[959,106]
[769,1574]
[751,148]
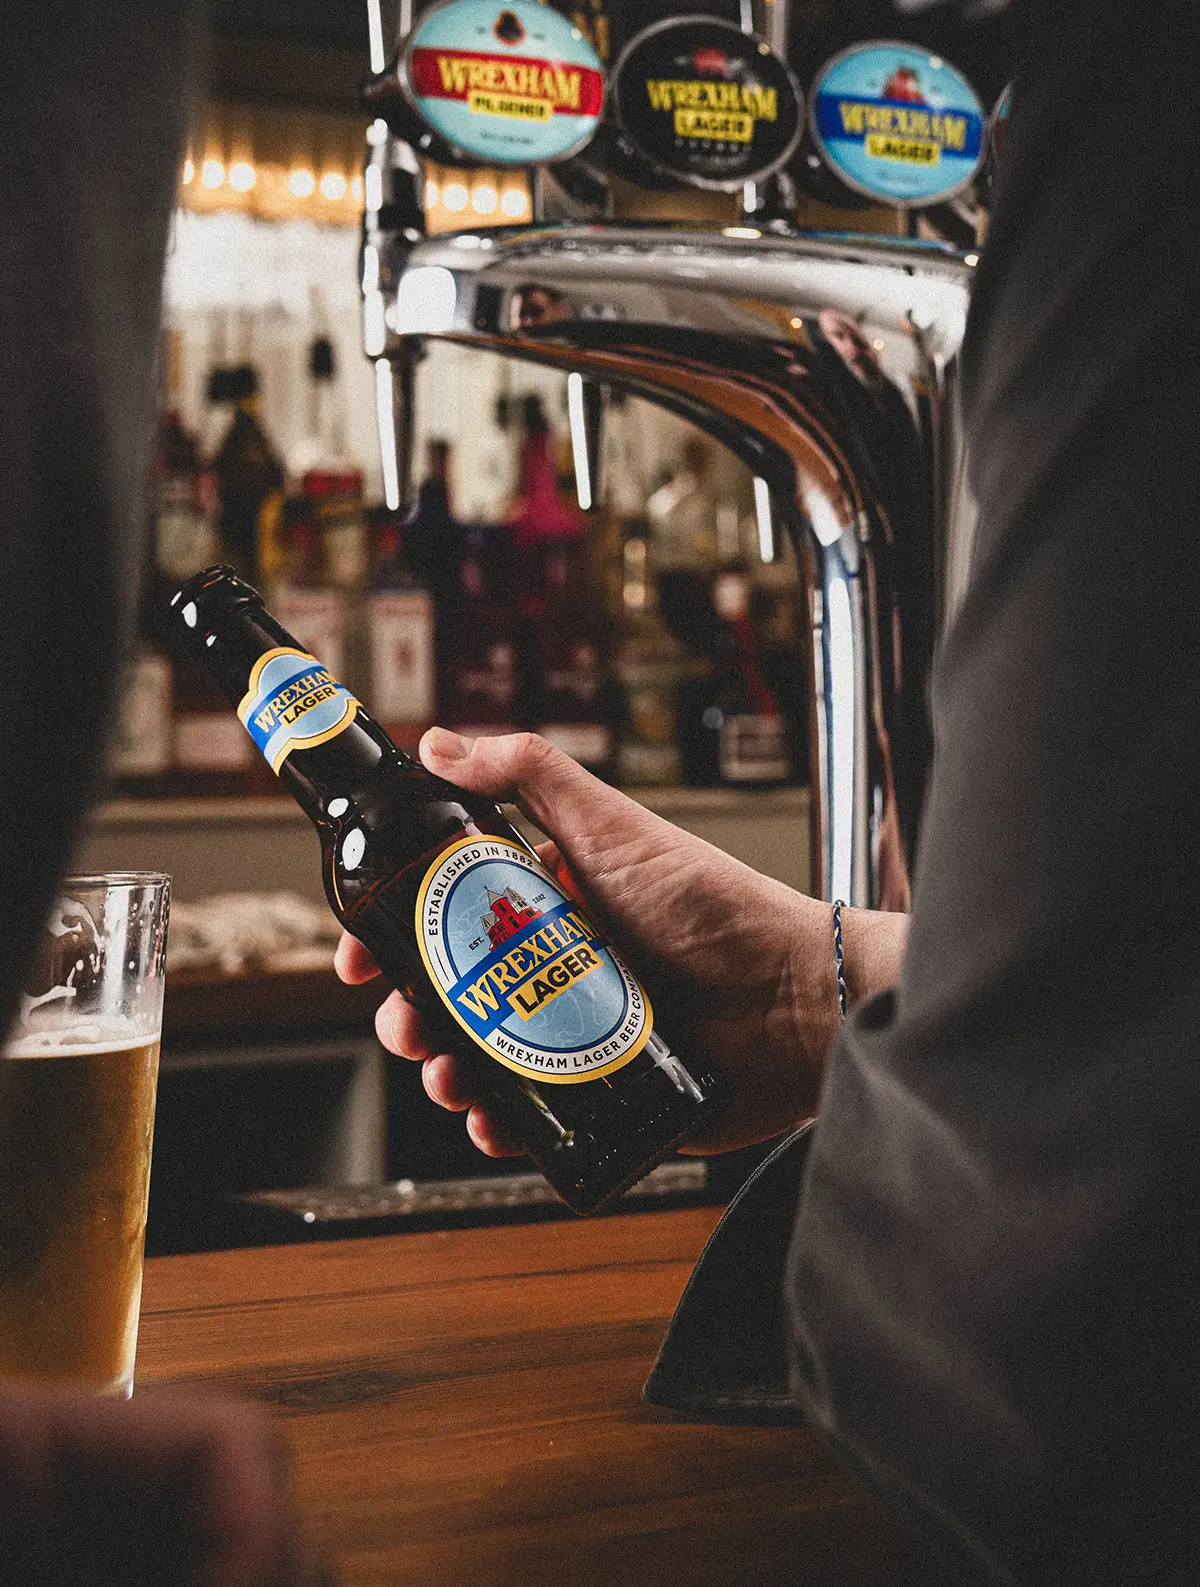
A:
[506,969]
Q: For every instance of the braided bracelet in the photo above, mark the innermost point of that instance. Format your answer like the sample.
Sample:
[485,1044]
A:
[837,953]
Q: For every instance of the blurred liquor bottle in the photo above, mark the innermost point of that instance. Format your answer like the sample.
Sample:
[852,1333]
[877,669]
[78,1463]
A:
[400,626]
[683,524]
[303,596]
[623,473]
[476,653]
[778,612]
[194,752]
[324,469]
[544,516]
[567,698]
[434,542]
[737,734]
[648,663]
[248,472]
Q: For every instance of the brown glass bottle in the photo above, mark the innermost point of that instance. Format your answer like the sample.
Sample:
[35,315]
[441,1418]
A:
[460,916]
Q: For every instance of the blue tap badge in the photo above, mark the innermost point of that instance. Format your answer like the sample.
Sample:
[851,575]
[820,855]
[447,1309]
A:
[507,83]
[522,969]
[897,124]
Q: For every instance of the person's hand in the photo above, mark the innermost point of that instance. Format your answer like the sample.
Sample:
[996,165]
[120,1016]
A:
[738,967]
[160,1492]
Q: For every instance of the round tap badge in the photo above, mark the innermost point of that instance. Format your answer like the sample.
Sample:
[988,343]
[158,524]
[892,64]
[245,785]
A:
[897,124]
[510,84]
[706,103]
[522,969]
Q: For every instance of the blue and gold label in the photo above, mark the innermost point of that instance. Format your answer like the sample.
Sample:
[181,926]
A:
[523,970]
[293,702]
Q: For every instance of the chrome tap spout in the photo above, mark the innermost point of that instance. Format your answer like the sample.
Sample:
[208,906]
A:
[829,365]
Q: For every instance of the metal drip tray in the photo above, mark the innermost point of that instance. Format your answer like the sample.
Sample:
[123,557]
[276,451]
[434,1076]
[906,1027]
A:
[408,1198]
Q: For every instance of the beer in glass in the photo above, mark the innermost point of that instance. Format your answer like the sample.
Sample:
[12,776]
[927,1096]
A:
[77,1090]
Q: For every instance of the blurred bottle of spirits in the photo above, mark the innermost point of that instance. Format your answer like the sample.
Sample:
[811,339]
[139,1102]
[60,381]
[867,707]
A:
[648,663]
[400,626]
[304,597]
[544,514]
[567,698]
[476,654]
[434,542]
[248,472]
[682,516]
[737,735]
[324,469]
[172,734]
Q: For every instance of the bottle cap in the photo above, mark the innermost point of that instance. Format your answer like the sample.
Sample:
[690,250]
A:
[205,597]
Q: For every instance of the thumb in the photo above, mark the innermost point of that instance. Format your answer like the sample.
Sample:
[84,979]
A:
[582,814]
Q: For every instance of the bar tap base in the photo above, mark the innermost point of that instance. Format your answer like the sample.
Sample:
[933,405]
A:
[724,1356]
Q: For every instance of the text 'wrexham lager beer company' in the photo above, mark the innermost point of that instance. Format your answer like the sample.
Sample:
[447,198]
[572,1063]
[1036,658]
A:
[505,966]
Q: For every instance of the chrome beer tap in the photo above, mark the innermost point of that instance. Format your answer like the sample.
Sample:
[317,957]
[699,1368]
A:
[829,365]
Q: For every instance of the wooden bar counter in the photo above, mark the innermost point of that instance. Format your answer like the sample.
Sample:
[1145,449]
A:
[464,1408]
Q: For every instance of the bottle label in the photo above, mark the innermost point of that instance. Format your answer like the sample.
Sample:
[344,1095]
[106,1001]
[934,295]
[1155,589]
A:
[523,970]
[293,702]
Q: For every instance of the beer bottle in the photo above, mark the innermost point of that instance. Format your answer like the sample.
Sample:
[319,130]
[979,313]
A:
[506,969]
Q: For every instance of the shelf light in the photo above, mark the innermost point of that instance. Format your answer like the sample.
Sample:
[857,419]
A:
[212,174]
[333,186]
[301,184]
[242,176]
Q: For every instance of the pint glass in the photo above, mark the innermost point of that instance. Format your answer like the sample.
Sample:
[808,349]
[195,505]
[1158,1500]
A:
[77,1088]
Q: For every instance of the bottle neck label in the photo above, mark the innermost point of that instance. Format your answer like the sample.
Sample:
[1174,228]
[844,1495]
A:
[293,702]
[522,969]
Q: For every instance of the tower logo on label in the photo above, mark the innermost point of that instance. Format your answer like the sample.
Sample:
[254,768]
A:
[293,702]
[522,969]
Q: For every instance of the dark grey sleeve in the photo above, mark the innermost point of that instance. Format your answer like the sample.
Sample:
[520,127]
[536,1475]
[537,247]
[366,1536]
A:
[994,1282]
[92,113]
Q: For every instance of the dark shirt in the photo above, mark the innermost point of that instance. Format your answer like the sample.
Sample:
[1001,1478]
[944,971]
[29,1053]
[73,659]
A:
[994,1281]
[92,111]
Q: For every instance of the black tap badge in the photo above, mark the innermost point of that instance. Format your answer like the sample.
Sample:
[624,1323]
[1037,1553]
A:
[702,101]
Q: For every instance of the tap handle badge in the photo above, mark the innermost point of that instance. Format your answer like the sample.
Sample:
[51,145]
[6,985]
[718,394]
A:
[897,125]
[702,102]
[505,82]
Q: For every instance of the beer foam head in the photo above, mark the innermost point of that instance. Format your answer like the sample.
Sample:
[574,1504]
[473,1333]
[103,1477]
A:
[82,1041]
